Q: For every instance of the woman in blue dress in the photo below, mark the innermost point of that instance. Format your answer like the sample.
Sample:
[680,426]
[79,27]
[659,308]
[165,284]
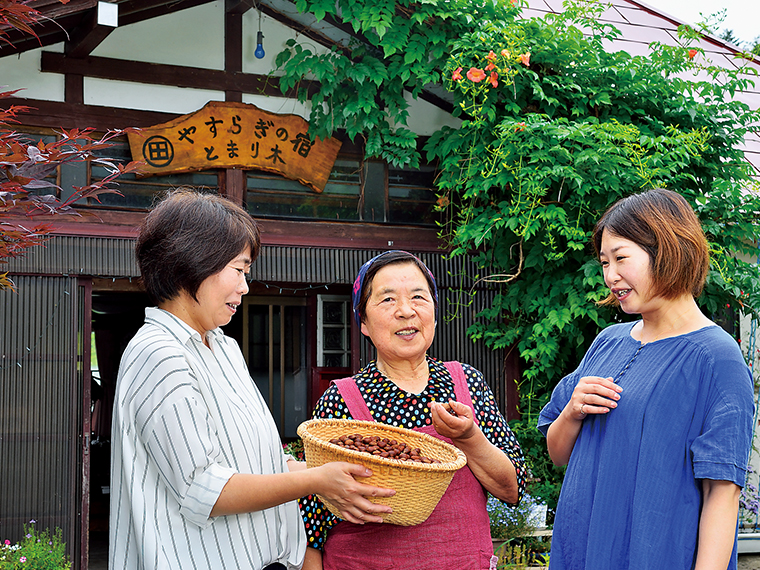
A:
[655,425]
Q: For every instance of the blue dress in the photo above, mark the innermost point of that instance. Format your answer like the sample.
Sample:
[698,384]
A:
[631,496]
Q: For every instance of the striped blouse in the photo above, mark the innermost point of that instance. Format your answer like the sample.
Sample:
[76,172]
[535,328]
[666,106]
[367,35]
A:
[186,418]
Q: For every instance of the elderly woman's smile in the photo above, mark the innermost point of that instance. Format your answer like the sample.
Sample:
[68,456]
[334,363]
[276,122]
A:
[400,314]
[406,332]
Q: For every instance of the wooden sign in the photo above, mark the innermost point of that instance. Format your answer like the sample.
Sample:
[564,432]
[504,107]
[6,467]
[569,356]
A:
[236,135]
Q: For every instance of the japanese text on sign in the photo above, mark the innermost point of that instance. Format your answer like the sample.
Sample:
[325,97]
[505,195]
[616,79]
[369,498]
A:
[236,135]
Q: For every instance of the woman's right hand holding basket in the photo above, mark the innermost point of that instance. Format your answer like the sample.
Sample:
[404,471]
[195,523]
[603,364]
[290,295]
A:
[337,485]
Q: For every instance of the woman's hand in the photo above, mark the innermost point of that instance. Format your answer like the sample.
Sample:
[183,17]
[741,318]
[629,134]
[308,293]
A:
[455,427]
[488,463]
[246,492]
[593,395]
[336,483]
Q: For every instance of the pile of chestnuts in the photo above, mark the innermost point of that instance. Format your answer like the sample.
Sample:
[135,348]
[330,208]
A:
[382,447]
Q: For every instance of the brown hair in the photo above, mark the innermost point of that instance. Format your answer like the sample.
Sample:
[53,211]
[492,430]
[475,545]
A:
[664,225]
[188,237]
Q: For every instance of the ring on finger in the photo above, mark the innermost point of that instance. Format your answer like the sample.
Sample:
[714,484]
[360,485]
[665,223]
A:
[584,398]
[582,412]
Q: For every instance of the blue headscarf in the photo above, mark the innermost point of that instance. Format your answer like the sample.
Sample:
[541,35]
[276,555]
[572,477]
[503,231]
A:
[359,283]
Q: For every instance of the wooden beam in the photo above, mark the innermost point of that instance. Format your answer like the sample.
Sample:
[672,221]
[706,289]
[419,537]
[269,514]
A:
[73,89]
[162,74]
[232,185]
[339,235]
[86,37]
[135,11]
[56,115]
[61,19]
[56,9]
[237,6]
[233,51]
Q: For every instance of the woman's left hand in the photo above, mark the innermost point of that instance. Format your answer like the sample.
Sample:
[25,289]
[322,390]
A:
[455,427]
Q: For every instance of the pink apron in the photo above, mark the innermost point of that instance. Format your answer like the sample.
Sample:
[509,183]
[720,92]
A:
[456,536]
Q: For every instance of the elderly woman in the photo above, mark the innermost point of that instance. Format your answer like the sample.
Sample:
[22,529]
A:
[655,425]
[395,301]
[199,479]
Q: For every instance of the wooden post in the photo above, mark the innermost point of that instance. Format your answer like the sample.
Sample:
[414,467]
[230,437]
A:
[232,185]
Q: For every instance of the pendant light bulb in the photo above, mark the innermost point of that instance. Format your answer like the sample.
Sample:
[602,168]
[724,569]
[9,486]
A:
[259,53]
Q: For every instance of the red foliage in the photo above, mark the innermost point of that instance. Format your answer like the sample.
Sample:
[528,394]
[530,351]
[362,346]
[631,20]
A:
[17,15]
[24,166]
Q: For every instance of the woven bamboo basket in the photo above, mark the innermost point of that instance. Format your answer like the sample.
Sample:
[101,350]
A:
[418,486]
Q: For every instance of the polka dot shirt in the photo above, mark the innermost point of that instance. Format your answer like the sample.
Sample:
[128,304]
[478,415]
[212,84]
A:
[391,405]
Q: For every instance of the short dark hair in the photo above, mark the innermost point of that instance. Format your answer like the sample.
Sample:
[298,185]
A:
[189,236]
[664,225]
[391,258]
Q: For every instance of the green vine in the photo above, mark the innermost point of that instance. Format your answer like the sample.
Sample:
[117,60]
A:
[554,128]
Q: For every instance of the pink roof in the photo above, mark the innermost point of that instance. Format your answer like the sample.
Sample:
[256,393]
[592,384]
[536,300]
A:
[641,24]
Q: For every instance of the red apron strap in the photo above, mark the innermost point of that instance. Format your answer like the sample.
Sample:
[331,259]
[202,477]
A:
[461,388]
[350,393]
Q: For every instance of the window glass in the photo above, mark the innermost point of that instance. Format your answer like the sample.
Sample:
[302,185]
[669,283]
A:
[138,193]
[33,139]
[271,195]
[411,196]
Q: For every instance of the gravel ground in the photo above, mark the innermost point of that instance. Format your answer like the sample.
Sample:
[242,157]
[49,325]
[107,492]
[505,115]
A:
[749,562]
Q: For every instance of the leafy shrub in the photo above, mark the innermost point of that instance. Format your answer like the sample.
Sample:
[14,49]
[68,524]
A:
[513,522]
[518,557]
[36,551]
[295,450]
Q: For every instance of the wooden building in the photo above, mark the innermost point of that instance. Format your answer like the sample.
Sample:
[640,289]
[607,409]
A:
[142,63]
[78,300]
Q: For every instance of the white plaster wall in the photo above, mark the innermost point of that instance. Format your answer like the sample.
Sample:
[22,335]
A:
[275,37]
[146,97]
[279,105]
[192,37]
[425,118]
[22,71]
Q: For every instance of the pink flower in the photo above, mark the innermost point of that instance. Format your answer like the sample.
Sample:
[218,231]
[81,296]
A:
[520,127]
[476,75]
[22,559]
[525,58]
[490,66]
[494,79]
[692,53]
[7,542]
[491,56]
[505,53]
[457,75]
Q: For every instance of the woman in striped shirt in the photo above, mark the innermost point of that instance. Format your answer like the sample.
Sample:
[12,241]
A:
[199,479]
